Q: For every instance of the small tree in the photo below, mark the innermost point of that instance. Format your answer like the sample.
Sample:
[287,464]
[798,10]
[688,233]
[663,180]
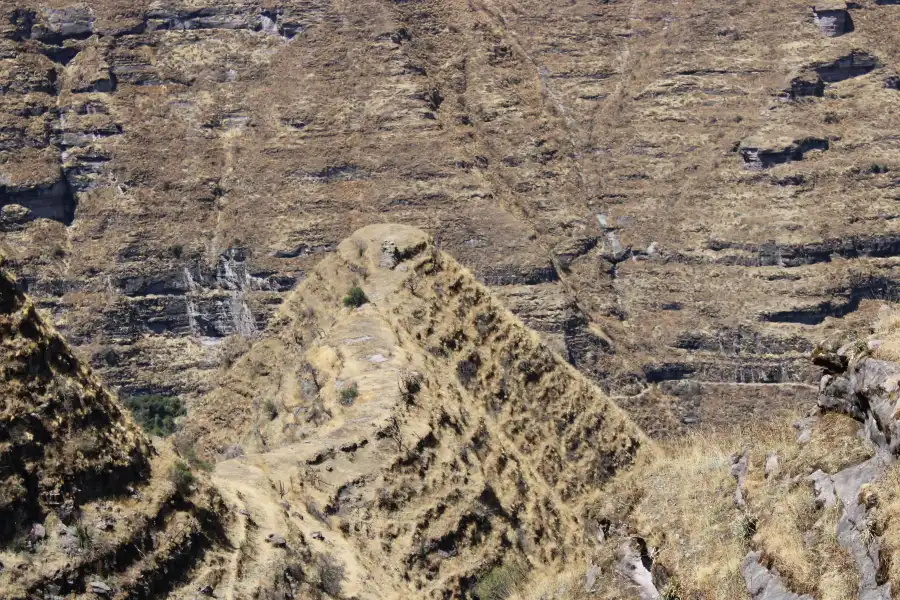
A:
[356,297]
[83,535]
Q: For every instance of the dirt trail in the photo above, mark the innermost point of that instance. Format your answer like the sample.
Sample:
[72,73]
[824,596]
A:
[367,356]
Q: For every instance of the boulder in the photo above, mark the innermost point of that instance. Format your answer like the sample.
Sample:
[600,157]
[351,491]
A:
[805,83]
[57,24]
[14,216]
[100,588]
[876,385]
[759,153]
[763,584]
[772,465]
[826,354]
[832,18]
[740,464]
[633,565]
[854,64]
[868,391]
[590,578]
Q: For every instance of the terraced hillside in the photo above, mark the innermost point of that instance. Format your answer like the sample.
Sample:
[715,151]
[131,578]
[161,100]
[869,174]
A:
[680,197]
[399,448]
[418,439]
[414,439]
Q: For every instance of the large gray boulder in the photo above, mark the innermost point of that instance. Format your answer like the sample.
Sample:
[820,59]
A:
[832,18]
[57,24]
[843,488]
[866,389]
[875,385]
[763,584]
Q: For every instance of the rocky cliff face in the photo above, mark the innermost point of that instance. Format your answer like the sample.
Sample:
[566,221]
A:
[666,192]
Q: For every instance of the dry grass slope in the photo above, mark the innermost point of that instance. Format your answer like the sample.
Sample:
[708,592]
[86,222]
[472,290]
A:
[64,439]
[87,504]
[424,443]
[468,440]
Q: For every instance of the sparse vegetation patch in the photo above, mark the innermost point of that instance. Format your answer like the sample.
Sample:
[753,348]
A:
[331,575]
[356,297]
[270,410]
[156,413]
[182,478]
[501,582]
[349,394]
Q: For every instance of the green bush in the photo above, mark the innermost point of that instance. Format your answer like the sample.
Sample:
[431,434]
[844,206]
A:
[181,477]
[501,582]
[349,394]
[187,451]
[156,414]
[356,297]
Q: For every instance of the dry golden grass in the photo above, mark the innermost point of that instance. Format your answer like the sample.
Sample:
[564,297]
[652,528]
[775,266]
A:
[687,514]
[468,459]
[683,505]
[886,520]
[887,331]
[569,585]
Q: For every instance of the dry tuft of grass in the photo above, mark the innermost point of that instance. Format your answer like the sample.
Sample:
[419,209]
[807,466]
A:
[569,585]
[887,331]
[885,495]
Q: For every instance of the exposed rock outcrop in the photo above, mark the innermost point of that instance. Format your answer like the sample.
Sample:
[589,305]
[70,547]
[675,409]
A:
[635,568]
[806,83]
[811,80]
[50,200]
[763,584]
[862,387]
[832,18]
[854,64]
[759,153]
[853,528]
